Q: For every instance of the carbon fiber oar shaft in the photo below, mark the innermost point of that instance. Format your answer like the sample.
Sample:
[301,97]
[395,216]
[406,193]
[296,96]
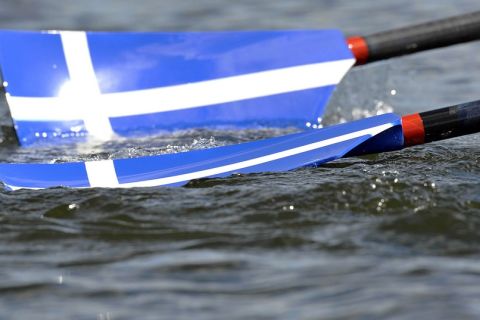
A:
[425,36]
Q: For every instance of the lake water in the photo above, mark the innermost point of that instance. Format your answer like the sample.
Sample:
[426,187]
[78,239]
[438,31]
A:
[393,235]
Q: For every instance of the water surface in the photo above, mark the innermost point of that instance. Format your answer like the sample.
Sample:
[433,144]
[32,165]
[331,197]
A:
[391,235]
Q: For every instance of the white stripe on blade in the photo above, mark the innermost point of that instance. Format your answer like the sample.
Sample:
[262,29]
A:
[256,161]
[82,92]
[101,174]
[185,96]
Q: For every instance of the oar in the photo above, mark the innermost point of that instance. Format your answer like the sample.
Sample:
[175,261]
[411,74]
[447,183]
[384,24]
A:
[425,36]
[63,86]
[371,135]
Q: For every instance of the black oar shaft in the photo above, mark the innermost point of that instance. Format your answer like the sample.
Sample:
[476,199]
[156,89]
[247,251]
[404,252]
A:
[425,36]
[442,123]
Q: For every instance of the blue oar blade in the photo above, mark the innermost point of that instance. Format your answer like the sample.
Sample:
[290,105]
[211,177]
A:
[277,154]
[63,86]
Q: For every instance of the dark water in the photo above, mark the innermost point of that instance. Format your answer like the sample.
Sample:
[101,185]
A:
[384,236]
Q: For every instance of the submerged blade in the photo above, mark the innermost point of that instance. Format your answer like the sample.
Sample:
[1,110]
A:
[63,86]
[277,154]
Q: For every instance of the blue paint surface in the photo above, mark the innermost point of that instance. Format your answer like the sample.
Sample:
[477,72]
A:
[135,61]
[292,109]
[31,133]
[42,175]
[169,165]
[33,64]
